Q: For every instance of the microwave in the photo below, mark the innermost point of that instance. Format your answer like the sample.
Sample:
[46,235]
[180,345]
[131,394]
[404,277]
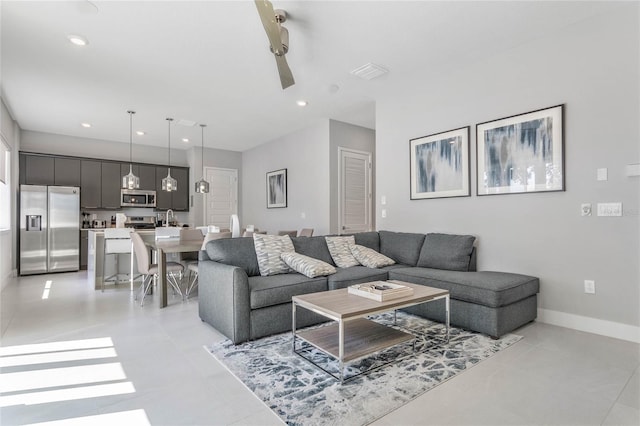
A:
[137,198]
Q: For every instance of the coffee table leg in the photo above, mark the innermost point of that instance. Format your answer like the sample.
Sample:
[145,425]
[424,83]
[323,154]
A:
[293,324]
[341,349]
[446,299]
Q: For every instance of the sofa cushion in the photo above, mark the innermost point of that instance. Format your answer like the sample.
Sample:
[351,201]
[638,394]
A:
[277,289]
[370,258]
[268,250]
[402,247]
[307,266]
[340,252]
[345,277]
[238,252]
[445,251]
[315,247]
[488,288]
[368,239]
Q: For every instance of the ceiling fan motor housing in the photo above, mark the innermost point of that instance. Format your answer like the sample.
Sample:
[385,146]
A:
[284,38]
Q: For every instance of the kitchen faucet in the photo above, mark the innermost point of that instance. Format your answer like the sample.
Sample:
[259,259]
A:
[166,220]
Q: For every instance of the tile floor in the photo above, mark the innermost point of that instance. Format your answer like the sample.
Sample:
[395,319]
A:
[155,369]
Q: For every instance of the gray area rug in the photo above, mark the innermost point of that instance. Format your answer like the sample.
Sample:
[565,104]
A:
[302,394]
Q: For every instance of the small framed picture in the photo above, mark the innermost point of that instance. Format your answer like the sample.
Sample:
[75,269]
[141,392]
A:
[522,153]
[277,189]
[440,165]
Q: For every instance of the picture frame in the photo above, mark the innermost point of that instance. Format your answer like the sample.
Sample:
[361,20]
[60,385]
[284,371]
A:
[521,154]
[439,165]
[277,189]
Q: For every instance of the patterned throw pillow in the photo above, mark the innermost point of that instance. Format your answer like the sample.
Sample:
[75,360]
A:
[307,265]
[369,257]
[268,250]
[340,252]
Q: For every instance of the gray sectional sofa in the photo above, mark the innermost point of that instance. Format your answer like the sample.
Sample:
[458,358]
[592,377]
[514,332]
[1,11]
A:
[242,305]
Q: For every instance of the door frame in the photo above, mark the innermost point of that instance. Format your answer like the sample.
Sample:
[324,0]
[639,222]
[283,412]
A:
[369,155]
[204,204]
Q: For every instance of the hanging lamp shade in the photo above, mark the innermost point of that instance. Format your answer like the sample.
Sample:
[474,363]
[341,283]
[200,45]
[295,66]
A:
[202,186]
[130,181]
[169,184]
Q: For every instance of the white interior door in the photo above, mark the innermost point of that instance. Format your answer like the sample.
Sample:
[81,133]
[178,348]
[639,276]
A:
[222,200]
[354,191]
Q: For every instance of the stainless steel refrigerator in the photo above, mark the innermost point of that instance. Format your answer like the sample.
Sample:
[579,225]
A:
[49,229]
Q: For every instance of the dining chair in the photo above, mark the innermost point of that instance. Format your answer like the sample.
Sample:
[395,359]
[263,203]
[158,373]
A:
[306,232]
[149,270]
[190,234]
[192,267]
[289,233]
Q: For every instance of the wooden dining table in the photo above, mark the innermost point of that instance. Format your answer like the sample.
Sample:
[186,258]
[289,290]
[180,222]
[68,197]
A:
[161,248]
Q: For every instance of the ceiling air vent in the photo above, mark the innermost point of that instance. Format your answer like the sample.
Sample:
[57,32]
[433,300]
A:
[369,71]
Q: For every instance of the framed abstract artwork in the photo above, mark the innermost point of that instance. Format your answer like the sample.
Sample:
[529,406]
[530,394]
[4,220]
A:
[277,189]
[440,165]
[522,153]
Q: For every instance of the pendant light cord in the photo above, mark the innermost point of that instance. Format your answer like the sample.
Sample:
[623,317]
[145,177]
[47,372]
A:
[202,126]
[131,136]
[169,120]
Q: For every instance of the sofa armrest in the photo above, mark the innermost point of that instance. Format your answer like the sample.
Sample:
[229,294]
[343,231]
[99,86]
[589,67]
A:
[223,299]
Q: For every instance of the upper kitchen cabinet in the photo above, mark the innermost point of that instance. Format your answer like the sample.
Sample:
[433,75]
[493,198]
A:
[91,184]
[180,198]
[145,172]
[177,200]
[39,170]
[66,171]
[111,182]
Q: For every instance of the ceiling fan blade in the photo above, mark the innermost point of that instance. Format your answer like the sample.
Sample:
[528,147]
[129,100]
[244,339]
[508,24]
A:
[271,26]
[286,78]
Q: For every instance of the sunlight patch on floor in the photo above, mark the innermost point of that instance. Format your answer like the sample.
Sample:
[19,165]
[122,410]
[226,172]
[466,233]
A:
[133,417]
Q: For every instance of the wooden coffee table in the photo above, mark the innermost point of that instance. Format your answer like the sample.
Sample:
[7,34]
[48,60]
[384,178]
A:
[353,336]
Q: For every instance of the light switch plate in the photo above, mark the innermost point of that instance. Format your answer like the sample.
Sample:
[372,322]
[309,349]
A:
[383,200]
[383,213]
[602,174]
[609,209]
[633,169]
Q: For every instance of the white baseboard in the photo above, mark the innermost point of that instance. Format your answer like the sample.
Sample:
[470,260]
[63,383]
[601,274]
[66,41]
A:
[590,325]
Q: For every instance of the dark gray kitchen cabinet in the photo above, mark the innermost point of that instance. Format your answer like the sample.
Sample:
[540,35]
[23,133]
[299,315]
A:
[39,170]
[111,182]
[66,171]
[90,184]
[180,198]
[146,173]
[177,200]
[84,249]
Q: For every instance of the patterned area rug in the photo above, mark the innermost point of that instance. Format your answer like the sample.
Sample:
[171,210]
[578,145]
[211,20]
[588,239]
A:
[302,394]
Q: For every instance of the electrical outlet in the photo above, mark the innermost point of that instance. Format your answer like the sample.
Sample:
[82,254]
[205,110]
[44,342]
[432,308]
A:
[590,286]
[303,215]
[585,209]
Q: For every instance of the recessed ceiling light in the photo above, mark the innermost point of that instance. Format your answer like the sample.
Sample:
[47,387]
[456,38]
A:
[140,133]
[185,140]
[86,125]
[77,40]
[302,103]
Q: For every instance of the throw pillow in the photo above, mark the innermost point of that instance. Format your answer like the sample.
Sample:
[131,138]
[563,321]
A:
[445,251]
[369,257]
[268,251]
[340,251]
[307,265]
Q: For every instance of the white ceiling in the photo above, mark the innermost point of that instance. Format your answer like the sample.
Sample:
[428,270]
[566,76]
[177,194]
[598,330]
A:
[209,61]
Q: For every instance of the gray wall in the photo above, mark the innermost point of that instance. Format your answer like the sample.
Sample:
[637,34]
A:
[8,238]
[212,158]
[49,143]
[591,67]
[305,155]
[354,137]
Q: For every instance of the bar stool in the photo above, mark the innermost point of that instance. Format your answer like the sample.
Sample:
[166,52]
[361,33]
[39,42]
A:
[117,241]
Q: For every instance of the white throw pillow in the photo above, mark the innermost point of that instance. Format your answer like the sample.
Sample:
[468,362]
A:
[307,265]
[268,251]
[340,251]
[369,257]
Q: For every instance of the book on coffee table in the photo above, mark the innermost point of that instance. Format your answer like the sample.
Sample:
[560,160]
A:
[380,290]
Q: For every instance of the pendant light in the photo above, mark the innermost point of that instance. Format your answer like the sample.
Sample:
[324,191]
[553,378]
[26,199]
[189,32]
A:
[169,184]
[130,181]
[202,186]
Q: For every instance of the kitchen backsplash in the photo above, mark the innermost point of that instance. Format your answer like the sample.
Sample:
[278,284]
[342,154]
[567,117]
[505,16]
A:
[181,217]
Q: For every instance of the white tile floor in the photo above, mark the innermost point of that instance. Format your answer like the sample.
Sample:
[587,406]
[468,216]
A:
[553,376]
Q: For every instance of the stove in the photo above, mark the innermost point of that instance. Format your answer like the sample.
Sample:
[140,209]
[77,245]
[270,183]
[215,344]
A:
[140,222]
